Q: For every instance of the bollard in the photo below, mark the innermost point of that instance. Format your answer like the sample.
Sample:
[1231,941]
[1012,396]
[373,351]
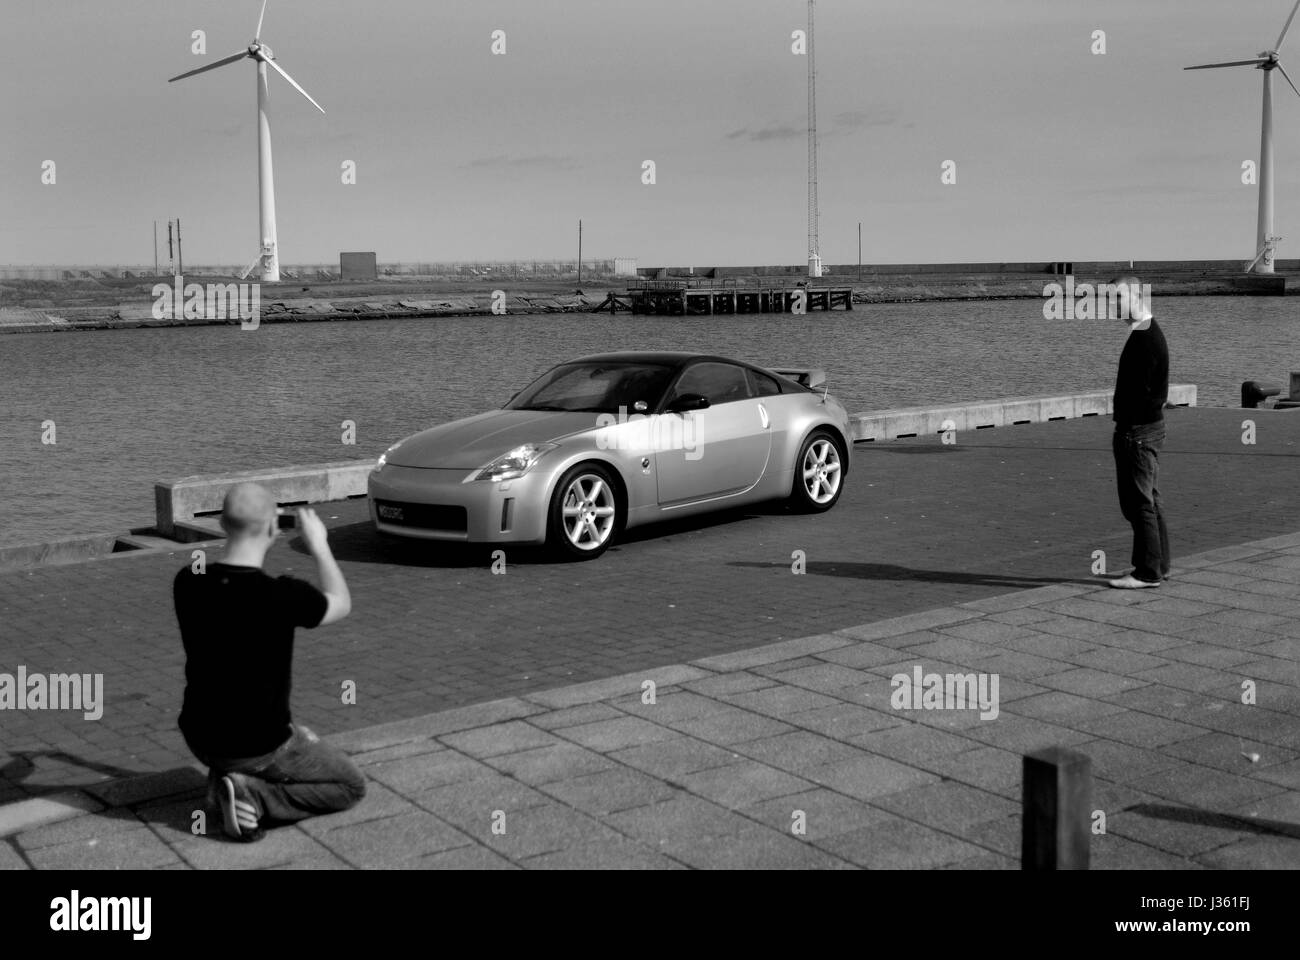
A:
[1056,813]
[1253,393]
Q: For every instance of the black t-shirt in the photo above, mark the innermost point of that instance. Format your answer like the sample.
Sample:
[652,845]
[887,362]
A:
[237,626]
[1142,386]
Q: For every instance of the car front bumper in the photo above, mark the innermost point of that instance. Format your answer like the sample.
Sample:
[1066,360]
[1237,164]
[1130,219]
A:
[436,504]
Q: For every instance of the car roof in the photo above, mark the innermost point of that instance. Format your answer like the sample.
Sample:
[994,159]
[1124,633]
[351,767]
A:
[670,358]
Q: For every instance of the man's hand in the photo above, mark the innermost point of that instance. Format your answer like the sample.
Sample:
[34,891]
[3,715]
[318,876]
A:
[313,530]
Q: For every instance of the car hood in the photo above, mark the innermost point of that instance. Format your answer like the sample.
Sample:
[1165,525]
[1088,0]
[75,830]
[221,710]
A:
[470,443]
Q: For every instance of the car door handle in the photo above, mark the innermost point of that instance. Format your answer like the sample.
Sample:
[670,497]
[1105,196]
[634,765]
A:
[762,414]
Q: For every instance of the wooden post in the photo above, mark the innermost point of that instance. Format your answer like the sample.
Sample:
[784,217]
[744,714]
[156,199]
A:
[1056,817]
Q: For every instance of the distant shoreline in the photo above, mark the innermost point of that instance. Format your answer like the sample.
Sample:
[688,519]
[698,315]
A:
[31,306]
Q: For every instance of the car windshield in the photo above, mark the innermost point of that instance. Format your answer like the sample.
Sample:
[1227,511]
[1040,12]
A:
[597,388]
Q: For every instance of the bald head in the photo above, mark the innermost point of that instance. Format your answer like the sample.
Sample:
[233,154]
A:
[248,511]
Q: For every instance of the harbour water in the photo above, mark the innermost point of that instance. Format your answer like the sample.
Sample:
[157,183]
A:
[133,406]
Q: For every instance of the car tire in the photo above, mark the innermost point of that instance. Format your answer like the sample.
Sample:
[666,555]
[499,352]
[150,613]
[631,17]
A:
[811,491]
[584,515]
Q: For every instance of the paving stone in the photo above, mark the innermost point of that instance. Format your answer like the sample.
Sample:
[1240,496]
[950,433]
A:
[772,653]
[218,852]
[680,821]
[900,845]
[379,803]
[37,811]
[797,750]
[860,655]
[606,736]
[909,623]
[781,700]
[672,760]
[462,858]
[1110,852]
[610,791]
[947,806]
[575,716]
[597,690]
[123,850]
[682,705]
[1025,734]
[1199,786]
[1086,682]
[742,783]
[824,677]
[412,775]
[1227,752]
[868,777]
[617,854]
[734,726]
[989,768]
[93,826]
[510,737]
[412,748]
[550,763]
[1174,829]
[10,859]
[1125,762]
[725,683]
[1139,729]
[1258,853]
[386,842]
[471,806]
[544,829]
[844,721]
[825,813]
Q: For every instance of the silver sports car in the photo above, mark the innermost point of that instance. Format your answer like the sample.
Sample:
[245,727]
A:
[608,442]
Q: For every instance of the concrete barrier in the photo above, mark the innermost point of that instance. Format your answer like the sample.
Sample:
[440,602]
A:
[927,421]
[181,504]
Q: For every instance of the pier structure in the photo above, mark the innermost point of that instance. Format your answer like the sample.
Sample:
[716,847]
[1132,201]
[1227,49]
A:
[706,296]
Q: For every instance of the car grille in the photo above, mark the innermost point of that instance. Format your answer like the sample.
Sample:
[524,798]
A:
[426,516]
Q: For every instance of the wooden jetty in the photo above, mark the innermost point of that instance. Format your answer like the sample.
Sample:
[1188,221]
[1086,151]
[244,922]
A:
[695,297]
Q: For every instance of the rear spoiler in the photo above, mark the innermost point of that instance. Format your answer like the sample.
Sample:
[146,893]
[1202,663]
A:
[814,378]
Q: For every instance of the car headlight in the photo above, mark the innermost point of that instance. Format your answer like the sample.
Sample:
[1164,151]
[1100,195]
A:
[513,463]
[383,457]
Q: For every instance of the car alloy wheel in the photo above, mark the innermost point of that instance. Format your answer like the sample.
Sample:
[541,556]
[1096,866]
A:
[819,474]
[584,512]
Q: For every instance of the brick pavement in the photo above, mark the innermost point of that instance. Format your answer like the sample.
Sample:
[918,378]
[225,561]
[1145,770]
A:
[739,748]
[921,525]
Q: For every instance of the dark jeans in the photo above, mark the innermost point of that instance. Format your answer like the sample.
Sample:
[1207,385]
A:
[303,777]
[1137,454]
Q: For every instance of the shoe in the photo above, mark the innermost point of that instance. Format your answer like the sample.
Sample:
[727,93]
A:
[239,816]
[1130,582]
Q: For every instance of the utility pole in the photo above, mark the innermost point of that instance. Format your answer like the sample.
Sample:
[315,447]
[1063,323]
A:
[580,251]
[171,251]
[180,256]
[859,251]
[155,248]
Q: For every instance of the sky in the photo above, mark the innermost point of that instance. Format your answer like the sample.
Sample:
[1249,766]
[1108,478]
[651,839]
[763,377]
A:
[460,154]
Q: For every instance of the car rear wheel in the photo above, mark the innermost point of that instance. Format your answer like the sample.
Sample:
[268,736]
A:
[584,513]
[818,473]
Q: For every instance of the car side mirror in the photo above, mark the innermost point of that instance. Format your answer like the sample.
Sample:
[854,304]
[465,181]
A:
[688,402]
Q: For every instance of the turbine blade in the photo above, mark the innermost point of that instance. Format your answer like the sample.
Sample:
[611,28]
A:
[281,72]
[258,34]
[212,66]
[1278,48]
[1230,63]
[1288,79]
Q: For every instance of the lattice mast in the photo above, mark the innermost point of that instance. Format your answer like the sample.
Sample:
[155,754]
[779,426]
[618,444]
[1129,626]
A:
[814,242]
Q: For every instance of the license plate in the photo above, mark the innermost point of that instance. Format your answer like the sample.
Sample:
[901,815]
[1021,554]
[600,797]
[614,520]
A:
[391,513]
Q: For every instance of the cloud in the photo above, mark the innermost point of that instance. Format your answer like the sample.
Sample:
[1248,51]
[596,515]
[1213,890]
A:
[840,123]
[778,132]
[535,162]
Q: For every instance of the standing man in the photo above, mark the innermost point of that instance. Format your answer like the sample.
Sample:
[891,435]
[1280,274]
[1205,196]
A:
[237,625]
[1141,390]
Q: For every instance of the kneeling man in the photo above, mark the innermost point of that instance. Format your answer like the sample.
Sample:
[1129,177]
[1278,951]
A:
[237,624]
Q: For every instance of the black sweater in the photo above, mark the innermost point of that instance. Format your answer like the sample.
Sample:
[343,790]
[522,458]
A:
[1142,387]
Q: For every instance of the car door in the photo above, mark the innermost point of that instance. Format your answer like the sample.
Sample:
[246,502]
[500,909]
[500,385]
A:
[723,449]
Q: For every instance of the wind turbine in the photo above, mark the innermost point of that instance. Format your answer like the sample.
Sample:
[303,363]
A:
[260,53]
[1268,61]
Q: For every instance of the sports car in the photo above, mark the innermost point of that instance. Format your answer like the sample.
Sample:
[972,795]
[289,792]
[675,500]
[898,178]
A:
[604,443]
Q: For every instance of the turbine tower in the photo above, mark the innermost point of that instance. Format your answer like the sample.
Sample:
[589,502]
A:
[1268,61]
[814,242]
[268,260]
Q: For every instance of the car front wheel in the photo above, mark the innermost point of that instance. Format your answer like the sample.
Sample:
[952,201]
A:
[583,514]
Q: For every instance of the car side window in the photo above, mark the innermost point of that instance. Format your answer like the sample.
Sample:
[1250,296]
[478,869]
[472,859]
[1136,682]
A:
[763,385]
[720,382]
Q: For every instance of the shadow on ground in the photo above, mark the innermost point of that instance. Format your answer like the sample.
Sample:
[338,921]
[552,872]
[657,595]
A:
[889,571]
[1224,821]
[360,543]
